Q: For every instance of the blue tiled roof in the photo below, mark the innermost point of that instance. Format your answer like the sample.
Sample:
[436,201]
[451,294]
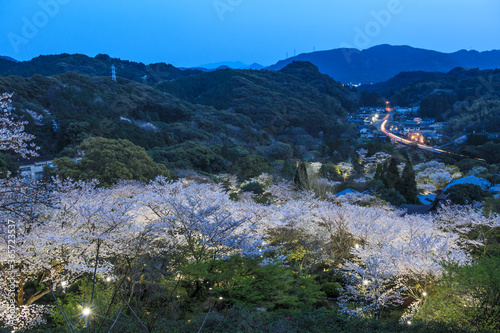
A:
[495,188]
[483,183]
[347,191]
[426,199]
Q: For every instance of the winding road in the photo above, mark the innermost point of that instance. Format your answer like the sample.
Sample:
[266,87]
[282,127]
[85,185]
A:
[399,139]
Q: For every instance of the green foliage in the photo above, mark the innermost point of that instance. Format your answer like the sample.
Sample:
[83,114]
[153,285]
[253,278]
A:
[466,194]
[239,319]
[81,292]
[434,106]
[258,111]
[379,173]
[252,166]
[330,171]
[287,170]
[301,250]
[301,179]
[98,66]
[247,281]
[71,304]
[490,151]
[271,286]
[8,166]
[492,205]
[188,155]
[467,164]
[280,151]
[480,114]
[65,167]
[236,153]
[270,104]
[468,296]
[331,289]
[393,188]
[254,187]
[393,196]
[109,160]
[391,175]
[75,133]
[408,186]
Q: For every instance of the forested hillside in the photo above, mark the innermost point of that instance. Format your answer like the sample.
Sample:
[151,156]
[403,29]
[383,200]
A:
[469,99]
[206,122]
[98,66]
[297,96]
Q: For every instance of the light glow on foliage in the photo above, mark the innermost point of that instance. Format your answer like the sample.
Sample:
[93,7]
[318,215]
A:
[69,229]
[433,175]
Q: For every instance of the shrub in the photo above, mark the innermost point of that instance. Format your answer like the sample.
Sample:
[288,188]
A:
[252,166]
[331,289]
[466,194]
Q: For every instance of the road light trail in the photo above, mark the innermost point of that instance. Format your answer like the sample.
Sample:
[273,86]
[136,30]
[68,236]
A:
[419,145]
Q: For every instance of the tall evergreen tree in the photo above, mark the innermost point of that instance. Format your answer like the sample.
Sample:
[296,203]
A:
[287,169]
[391,175]
[408,185]
[379,173]
[301,179]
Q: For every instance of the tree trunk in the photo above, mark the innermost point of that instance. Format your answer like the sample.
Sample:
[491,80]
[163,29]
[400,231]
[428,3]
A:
[37,296]
[20,286]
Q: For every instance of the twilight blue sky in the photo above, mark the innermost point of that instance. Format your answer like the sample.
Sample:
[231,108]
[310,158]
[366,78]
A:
[196,32]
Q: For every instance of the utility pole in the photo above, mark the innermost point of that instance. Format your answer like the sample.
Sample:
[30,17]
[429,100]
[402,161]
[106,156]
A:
[113,73]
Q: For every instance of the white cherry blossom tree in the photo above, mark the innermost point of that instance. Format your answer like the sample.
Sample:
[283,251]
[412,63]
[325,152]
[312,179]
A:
[12,134]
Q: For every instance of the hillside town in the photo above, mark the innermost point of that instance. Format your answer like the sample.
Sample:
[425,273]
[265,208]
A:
[404,122]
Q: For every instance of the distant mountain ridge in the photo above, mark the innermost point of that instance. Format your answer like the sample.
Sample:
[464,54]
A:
[8,58]
[377,64]
[100,65]
[382,62]
[228,64]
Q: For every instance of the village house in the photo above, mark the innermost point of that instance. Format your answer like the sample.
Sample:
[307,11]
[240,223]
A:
[34,168]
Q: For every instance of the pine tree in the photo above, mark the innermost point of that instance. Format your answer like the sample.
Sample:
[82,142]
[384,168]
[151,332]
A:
[301,179]
[287,169]
[408,185]
[391,175]
[379,173]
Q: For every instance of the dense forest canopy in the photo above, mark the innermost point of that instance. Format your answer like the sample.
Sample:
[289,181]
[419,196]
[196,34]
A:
[252,112]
